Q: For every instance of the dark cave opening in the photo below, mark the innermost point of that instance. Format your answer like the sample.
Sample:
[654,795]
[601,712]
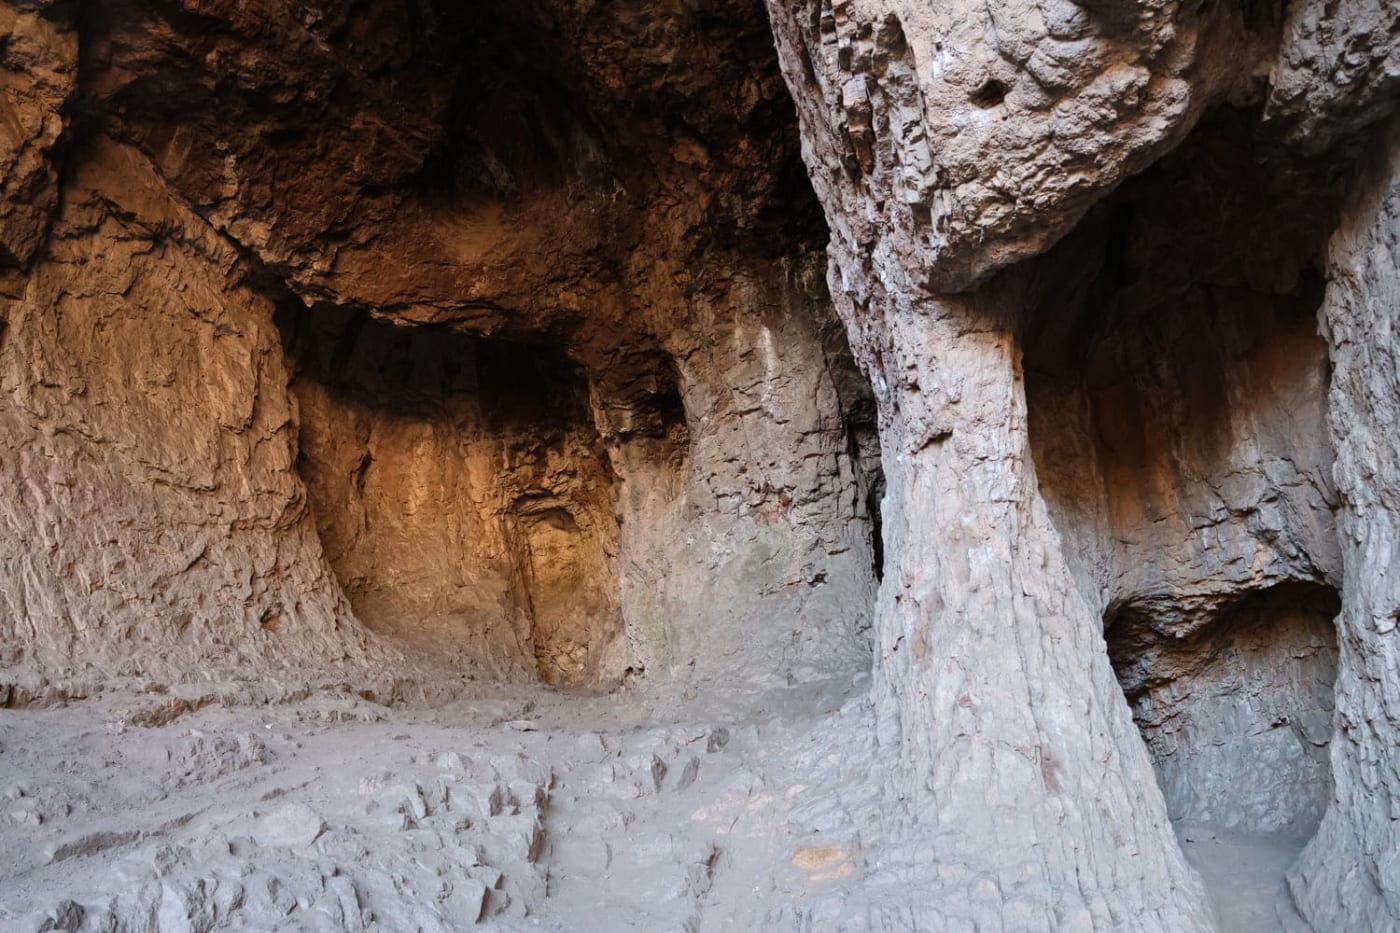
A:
[518,117]
[1236,705]
[863,441]
[1177,392]
[462,494]
[990,94]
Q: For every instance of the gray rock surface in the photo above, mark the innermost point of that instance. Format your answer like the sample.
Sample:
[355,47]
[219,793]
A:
[461,462]
[1349,876]
[1164,494]
[1238,714]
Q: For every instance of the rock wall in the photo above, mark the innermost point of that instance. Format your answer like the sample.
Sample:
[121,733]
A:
[566,398]
[156,523]
[1162,359]
[42,52]
[463,496]
[1177,390]
[1177,382]
[507,341]
[1237,715]
[1348,876]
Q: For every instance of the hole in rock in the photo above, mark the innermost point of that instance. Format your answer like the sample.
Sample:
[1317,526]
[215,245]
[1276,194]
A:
[1236,710]
[1177,394]
[462,495]
[862,431]
[990,94]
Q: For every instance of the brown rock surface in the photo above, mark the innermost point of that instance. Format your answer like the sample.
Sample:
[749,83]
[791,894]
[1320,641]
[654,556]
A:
[41,58]
[453,475]
[156,520]
[660,385]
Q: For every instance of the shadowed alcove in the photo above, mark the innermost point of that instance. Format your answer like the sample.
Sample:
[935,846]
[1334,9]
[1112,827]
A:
[462,495]
[1177,387]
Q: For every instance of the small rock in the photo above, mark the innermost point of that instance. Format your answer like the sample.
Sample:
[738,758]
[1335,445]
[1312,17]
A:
[294,826]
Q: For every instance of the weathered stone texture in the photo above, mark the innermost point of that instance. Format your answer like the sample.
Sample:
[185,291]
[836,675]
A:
[1338,69]
[1041,812]
[462,495]
[1177,384]
[1175,402]
[37,80]
[702,507]
[504,341]
[155,522]
[969,136]
[1349,876]
[1237,713]
[1177,390]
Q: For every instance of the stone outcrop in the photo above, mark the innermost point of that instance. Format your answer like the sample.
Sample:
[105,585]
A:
[42,57]
[463,496]
[155,518]
[1347,877]
[659,384]
[1173,394]
[1041,355]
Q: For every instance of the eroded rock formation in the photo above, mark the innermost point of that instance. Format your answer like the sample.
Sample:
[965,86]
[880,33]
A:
[688,355]
[1349,876]
[654,382]
[945,145]
[463,496]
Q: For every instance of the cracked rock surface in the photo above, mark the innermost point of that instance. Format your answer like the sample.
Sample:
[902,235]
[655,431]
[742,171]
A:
[699,465]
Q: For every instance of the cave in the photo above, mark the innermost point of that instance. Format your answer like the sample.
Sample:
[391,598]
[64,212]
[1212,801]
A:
[462,494]
[793,465]
[1177,389]
[1237,713]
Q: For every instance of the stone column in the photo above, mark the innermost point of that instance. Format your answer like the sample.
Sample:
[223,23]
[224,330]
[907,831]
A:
[1030,797]
[1022,767]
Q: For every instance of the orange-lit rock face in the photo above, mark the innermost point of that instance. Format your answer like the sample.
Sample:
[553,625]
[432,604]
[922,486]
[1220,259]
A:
[463,496]
[564,376]
[496,353]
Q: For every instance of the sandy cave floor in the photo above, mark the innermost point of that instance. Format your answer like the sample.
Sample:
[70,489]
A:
[523,809]
[533,810]
[1244,875]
